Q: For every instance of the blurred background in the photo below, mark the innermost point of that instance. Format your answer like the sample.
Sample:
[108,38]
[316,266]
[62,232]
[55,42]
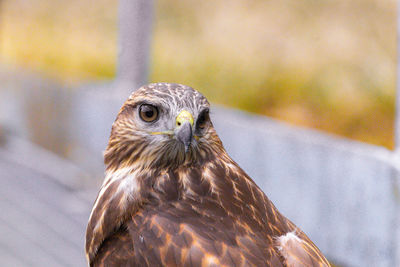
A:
[327,65]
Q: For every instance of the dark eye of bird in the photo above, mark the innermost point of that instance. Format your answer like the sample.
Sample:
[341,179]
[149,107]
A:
[202,120]
[148,113]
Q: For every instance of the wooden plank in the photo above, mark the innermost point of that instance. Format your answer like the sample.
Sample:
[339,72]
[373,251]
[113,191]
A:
[16,246]
[37,211]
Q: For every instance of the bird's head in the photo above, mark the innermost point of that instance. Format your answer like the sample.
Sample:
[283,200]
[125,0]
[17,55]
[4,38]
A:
[161,124]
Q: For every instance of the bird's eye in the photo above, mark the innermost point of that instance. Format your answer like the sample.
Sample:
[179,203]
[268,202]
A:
[202,120]
[148,113]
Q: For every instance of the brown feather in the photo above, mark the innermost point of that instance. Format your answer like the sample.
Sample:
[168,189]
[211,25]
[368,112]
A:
[160,206]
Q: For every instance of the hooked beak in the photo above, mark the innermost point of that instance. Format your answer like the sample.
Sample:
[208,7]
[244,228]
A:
[183,130]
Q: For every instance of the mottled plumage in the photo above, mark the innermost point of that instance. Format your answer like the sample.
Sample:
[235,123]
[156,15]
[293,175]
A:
[173,197]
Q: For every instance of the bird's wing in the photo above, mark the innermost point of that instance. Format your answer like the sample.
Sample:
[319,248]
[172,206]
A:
[179,235]
[297,251]
[116,250]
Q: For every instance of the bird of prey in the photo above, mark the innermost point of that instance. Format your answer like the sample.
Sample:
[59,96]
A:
[172,196]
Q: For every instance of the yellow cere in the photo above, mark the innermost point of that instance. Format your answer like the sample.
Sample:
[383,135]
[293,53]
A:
[184,116]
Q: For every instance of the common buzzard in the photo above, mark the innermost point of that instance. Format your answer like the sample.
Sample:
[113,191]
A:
[172,196]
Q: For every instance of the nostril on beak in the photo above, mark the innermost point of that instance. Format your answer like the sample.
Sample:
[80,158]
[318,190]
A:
[184,134]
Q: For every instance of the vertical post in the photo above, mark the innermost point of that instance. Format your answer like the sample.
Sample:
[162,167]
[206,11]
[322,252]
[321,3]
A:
[135,21]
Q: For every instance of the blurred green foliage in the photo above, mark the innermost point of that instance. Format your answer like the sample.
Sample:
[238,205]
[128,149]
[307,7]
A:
[326,64]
